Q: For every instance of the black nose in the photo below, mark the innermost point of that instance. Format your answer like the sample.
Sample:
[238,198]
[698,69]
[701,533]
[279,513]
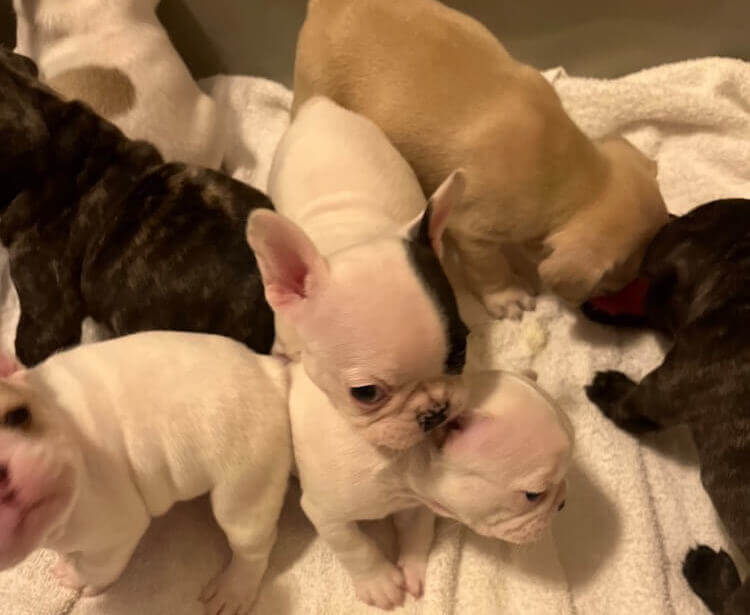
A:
[562,505]
[433,417]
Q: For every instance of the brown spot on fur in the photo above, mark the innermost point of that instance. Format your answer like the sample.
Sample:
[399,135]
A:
[107,90]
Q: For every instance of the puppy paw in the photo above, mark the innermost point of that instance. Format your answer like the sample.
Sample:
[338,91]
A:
[383,588]
[230,593]
[508,302]
[607,391]
[711,575]
[67,574]
[414,574]
[608,388]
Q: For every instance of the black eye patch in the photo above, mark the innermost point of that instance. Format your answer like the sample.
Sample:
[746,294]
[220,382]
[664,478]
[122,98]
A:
[18,417]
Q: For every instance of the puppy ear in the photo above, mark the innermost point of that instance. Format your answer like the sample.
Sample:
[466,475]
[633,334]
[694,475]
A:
[9,366]
[429,226]
[291,267]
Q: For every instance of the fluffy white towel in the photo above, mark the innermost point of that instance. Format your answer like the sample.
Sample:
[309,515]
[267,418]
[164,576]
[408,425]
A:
[633,509]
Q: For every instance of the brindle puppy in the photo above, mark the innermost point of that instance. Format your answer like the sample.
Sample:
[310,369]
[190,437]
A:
[698,274]
[97,224]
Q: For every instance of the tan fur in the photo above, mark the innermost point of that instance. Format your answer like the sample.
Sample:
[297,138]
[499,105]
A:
[107,90]
[448,94]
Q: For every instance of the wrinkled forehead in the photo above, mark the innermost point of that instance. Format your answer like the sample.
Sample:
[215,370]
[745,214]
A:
[512,428]
[387,316]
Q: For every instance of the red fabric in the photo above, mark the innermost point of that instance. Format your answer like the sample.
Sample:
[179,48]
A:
[629,300]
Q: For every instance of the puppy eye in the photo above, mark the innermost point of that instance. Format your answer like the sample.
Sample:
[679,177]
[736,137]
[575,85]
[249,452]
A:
[18,417]
[368,394]
[533,496]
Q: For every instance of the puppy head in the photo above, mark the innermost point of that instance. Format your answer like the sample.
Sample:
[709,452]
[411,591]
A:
[601,248]
[378,322]
[501,467]
[38,468]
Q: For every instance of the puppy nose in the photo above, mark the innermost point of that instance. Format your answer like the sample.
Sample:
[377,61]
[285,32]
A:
[433,417]
[561,506]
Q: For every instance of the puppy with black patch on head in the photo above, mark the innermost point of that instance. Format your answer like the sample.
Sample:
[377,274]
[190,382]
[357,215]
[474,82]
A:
[499,468]
[353,274]
[97,225]
[98,440]
[695,287]
[115,56]
[544,203]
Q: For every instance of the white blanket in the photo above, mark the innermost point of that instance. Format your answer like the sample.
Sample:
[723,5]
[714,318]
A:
[633,508]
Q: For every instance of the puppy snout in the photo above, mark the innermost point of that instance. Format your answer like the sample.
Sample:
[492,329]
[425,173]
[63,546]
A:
[433,417]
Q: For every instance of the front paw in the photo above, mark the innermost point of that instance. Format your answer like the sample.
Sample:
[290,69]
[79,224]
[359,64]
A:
[711,575]
[382,588]
[67,575]
[508,303]
[608,389]
[415,570]
[232,592]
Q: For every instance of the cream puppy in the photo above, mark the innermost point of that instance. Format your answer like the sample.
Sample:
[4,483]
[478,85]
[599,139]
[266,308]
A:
[96,441]
[353,275]
[499,469]
[116,56]
[544,204]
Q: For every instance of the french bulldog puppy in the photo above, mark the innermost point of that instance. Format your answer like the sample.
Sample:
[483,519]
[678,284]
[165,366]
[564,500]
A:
[98,225]
[544,204]
[696,275]
[352,272]
[96,441]
[115,56]
[498,468]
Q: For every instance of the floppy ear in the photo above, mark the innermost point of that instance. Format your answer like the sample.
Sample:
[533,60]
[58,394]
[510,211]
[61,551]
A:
[291,266]
[428,227]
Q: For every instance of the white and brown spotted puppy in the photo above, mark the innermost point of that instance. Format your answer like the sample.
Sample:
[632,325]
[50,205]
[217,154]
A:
[544,204]
[499,468]
[115,56]
[96,441]
[352,272]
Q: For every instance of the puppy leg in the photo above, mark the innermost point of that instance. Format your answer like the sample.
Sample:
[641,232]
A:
[415,529]
[248,512]
[94,571]
[665,397]
[491,278]
[51,307]
[377,581]
[714,578]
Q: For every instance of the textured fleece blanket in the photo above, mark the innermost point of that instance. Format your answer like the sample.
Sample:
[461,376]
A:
[633,509]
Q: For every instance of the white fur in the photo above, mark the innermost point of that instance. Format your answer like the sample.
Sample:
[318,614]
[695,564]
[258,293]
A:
[337,274]
[170,110]
[513,440]
[123,429]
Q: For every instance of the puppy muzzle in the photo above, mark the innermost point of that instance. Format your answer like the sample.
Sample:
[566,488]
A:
[436,415]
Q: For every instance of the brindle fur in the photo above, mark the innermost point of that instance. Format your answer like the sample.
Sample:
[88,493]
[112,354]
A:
[699,294]
[97,224]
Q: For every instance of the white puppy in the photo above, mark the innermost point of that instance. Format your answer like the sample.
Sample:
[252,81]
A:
[116,56]
[498,469]
[352,272]
[96,441]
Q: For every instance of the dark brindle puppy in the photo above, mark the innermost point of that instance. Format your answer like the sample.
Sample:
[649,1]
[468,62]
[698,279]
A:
[97,224]
[697,290]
